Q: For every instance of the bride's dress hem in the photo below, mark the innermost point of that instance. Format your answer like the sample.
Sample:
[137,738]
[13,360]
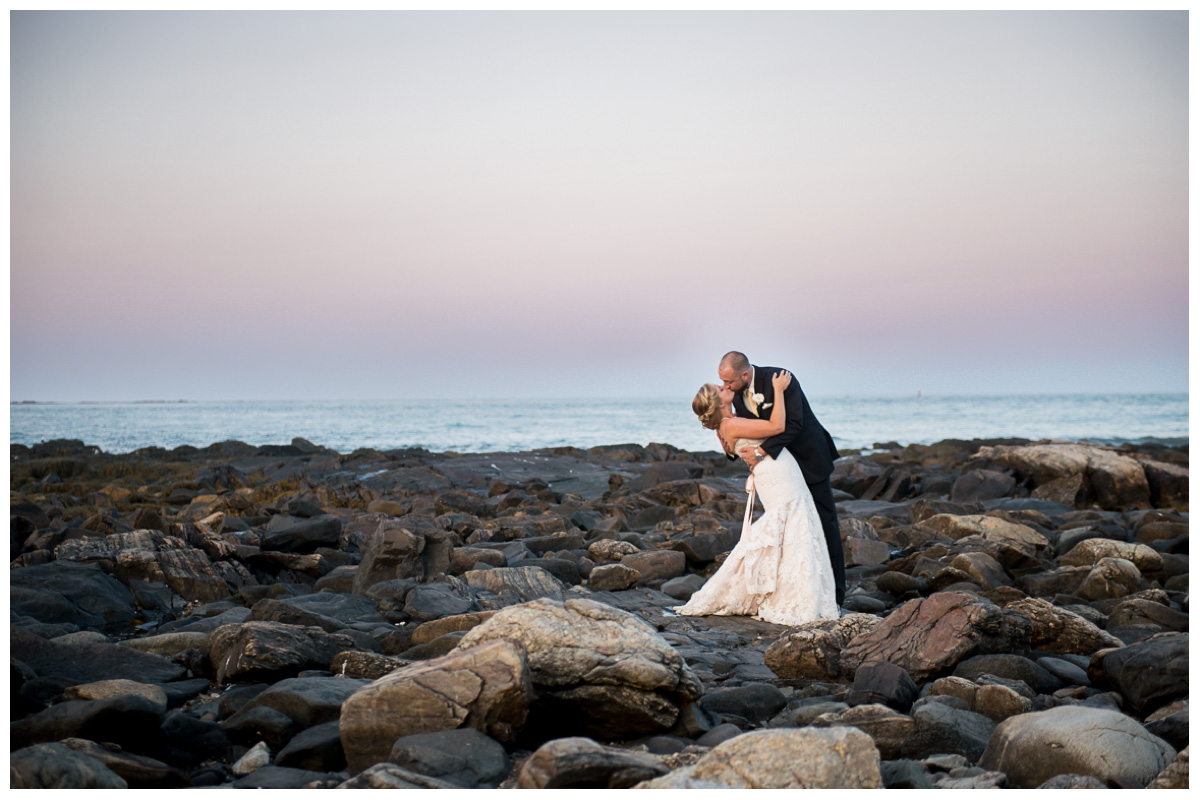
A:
[779,572]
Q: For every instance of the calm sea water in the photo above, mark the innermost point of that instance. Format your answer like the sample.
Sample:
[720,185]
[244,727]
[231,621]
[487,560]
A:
[513,425]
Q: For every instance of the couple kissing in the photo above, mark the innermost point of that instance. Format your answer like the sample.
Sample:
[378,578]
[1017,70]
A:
[788,566]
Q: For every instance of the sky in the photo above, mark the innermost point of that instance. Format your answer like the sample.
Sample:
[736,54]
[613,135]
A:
[291,205]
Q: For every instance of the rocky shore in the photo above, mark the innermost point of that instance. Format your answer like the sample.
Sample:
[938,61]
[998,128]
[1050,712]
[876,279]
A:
[288,616]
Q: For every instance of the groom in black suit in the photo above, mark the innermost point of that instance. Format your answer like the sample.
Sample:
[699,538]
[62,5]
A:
[804,437]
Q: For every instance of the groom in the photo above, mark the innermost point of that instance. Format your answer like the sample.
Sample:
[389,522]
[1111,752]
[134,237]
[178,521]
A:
[803,436]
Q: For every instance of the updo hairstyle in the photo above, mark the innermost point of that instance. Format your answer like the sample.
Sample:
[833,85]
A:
[707,406]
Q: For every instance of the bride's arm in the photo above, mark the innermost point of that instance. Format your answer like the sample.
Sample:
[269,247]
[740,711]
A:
[743,428]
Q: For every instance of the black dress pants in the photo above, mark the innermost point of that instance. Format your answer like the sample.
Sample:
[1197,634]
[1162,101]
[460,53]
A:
[823,497]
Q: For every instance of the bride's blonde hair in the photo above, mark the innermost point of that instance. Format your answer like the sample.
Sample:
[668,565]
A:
[707,406]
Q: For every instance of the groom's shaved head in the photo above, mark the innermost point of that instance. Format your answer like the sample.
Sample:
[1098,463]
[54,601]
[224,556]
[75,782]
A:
[734,371]
[735,361]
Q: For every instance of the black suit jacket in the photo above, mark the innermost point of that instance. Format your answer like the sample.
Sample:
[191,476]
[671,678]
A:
[807,440]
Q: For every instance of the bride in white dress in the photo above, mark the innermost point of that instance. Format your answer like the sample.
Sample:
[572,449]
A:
[779,572]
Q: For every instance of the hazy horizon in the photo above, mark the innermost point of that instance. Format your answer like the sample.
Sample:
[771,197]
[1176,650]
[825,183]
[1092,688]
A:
[569,398]
[302,205]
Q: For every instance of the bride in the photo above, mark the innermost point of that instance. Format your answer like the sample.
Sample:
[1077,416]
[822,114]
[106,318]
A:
[779,572]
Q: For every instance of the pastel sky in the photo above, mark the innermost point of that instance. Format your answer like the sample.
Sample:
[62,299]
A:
[373,205]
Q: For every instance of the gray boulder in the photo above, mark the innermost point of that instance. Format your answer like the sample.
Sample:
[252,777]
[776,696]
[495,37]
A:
[253,651]
[580,763]
[56,766]
[485,686]
[62,591]
[464,757]
[1147,674]
[805,758]
[1074,740]
[597,669]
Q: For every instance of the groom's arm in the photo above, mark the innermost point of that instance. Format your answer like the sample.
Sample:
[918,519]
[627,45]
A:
[793,426]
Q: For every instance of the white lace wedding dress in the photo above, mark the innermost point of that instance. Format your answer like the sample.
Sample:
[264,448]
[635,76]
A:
[779,572]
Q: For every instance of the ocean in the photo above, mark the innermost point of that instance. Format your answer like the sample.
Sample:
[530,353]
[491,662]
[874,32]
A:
[482,426]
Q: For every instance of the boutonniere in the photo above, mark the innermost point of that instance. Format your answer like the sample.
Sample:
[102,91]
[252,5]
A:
[757,398]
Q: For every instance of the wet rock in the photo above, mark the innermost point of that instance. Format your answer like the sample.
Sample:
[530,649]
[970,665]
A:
[316,749]
[139,772]
[1115,481]
[610,551]
[253,651]
[252,725]
[190,741]
[883,683]
[276,777]
[1070,490]
[1137,611]
[307,701]
[1111,577]
[865,552]
[905,774]
[1057,630]
[581,763]
[683,588]
[433,629]
[464,559]
[613,578]
[982,569]
[1147,674]
[432,601]
[665,472]
[269,610]
[1074,740]
[564,570]
[1069,673]
[128,720]
[809,758]
[101,690]
[1091,551]
[356,664]
[1171,728]
[515,585]
[485,686]
[1175,776]
[977,485]
[754,702]
[994,701]
[1016,541]
[56,766]
[62,591]
[153,558]
[255,758]
[1074,782]
[1168,483]
[928,637]
[388,554]
[704,548]
[813,651]
[971,778]
[463,757]
[390,776]
[167,644]
[888,728]
[305,537]
[1013,667]
[942,728]
[657,564]
[89,662]
[899,584]
[604,671]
